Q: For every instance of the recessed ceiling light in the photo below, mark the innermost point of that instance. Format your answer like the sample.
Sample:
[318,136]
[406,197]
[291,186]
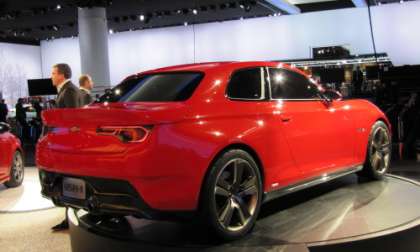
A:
[141,17]
[195,12]
[58,7]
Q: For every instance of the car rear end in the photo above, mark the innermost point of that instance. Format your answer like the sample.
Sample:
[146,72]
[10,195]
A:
[108,157]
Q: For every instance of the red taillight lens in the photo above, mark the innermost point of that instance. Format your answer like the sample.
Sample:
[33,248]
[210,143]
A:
[127,134]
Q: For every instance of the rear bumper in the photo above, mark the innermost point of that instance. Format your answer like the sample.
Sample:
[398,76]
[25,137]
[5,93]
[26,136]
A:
[105,196]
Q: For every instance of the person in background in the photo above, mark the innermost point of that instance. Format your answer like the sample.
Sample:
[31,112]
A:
[37,121]
[68,97]
[357,81]
[86,85]
[3,111]
[21,119]
[68,94]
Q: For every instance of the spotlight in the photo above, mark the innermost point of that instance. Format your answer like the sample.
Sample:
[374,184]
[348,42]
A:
[141,17]
[402,1]
[58,7]
[55,27]
[185,23]
[195,12]
[111,31]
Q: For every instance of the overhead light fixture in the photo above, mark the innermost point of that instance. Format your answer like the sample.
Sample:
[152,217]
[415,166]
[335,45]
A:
[141,17]
[195,12]
[55,27]
[111,31]
[58,7]
[185,23]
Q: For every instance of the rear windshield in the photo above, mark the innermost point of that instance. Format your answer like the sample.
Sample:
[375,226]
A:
[162,87]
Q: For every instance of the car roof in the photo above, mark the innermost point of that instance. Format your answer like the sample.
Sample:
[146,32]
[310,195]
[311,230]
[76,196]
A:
[206,66]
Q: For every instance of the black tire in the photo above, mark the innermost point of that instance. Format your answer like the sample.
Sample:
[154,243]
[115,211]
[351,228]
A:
[17,171]
[378,154]
[230,203]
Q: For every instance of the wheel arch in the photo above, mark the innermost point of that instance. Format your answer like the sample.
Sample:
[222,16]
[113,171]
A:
[232,146]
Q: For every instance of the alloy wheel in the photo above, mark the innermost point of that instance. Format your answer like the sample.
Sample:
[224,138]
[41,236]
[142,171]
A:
[380,151]
[17,168]
[236,194]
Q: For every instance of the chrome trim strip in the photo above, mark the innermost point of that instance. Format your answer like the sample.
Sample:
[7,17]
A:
[311,182]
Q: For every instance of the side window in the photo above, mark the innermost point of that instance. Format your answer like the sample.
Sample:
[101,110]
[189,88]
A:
[287,84]
[246,84]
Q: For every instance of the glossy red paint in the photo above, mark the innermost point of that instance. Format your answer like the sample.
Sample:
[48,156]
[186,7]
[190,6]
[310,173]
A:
[291,140]
[9,144]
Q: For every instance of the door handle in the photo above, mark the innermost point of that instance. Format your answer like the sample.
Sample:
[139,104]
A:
[285,119]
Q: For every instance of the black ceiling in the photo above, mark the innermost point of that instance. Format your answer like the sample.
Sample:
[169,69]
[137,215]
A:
[24,21]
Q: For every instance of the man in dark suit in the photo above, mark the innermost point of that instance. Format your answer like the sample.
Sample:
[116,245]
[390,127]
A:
[3,111]
[68,94]
[86,85]
[68,97]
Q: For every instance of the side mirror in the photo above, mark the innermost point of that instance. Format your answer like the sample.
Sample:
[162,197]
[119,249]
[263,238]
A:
[332,95]
[4,127]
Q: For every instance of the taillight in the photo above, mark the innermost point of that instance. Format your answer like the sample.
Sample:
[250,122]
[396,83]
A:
[127,134]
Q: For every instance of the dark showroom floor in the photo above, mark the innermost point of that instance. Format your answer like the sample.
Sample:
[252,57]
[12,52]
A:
[336,211]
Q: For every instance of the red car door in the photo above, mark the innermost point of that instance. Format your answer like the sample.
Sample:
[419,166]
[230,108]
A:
[320,135]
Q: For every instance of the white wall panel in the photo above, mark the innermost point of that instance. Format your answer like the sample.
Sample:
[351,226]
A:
[269,38]
[132,52]
[61,51]
[18,64]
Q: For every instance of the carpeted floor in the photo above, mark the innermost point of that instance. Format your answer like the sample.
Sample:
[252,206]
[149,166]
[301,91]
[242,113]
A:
[31,231]
[25,228]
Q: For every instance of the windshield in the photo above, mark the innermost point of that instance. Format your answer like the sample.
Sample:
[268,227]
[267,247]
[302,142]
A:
[161,87]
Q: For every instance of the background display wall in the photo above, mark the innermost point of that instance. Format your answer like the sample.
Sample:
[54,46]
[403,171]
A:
[269,38]
[18,63]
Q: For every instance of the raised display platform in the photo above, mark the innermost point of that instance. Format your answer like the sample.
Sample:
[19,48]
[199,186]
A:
[344,215]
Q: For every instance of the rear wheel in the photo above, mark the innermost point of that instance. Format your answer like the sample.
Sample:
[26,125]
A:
[232,195]
[378,156]
[17,171]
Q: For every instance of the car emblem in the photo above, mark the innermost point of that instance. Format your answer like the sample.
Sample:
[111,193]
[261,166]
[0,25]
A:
[74,129]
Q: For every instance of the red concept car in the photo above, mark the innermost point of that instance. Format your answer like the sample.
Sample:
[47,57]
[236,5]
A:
[210,140]
[11,159]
